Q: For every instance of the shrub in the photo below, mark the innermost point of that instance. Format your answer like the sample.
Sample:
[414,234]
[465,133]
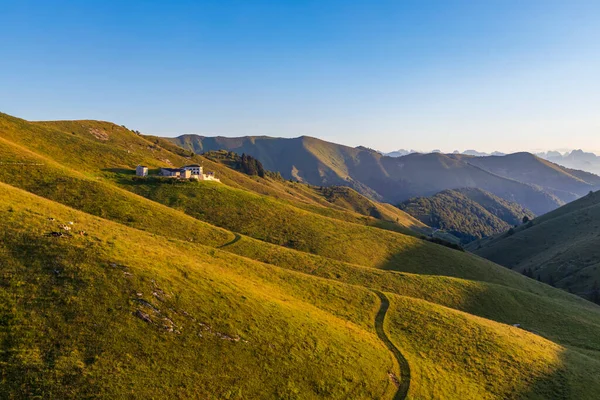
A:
[446,243]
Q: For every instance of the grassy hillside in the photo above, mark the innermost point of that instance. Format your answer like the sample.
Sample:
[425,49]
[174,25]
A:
[118,311]
[44,177]
[523,178]
[467,213]
[432,336]
[490,291]
[560,247]
[199,323]
[266,219]
[253,288]
[336,197]
[106,150]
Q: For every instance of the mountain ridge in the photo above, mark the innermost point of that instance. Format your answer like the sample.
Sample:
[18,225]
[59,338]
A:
[393,180]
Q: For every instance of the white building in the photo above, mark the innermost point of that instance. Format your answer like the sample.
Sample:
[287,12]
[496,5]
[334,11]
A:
[189,171]
[141,170]
[171,172]
[209,176]
[195,169]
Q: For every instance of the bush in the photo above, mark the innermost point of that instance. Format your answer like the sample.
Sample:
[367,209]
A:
[445,243]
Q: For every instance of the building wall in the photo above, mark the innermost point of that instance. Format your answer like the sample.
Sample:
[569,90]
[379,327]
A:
[194,170]
[165,172]
[141,171]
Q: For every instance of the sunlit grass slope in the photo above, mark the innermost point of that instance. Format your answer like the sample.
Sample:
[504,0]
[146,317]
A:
[103,149]
[265,219]
[44,177]
[120,313]
[456,355]
[500,295]
[98,198]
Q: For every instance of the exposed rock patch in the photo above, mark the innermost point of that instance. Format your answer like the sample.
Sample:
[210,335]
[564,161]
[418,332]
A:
[99,134]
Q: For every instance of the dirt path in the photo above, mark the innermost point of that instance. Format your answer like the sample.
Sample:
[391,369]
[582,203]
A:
[404,367]
[235,240]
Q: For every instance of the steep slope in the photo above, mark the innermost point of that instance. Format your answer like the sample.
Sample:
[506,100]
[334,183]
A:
[560,247]
[118,311]
[431,336]
[467,213]
[396,179]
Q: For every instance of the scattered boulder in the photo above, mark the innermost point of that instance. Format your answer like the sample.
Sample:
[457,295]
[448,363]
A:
[143,316]
[58,234]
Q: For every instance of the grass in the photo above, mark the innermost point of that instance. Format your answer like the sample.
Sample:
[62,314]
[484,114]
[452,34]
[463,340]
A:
[559,247]
[456,355]
[269,220]
[511,299]
[91,285]
[47,178]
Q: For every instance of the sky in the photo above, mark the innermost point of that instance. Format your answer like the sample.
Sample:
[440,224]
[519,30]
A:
[504,75]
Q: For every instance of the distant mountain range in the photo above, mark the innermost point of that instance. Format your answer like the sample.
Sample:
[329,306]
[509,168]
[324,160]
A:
[403,152]
[577,159]
[523,178]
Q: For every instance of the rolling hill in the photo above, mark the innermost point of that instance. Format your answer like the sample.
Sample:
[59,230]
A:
[116,287]
[535,184]
[466,213]
[560,247]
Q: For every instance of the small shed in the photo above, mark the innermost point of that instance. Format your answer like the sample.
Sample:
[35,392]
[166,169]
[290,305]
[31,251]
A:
[141,170]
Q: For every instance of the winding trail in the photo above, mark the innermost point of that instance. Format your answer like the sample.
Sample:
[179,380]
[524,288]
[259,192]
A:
[235,240]
[402,362]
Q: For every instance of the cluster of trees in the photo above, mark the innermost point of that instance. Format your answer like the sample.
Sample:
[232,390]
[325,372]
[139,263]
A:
[528,272]
[455,213]
[244,163]
[250,166]
[595,296]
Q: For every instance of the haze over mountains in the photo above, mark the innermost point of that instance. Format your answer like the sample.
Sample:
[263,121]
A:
[575,159]
[402,152]
[523,178]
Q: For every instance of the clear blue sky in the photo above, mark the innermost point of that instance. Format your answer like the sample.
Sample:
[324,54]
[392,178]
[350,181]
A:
[486,74]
